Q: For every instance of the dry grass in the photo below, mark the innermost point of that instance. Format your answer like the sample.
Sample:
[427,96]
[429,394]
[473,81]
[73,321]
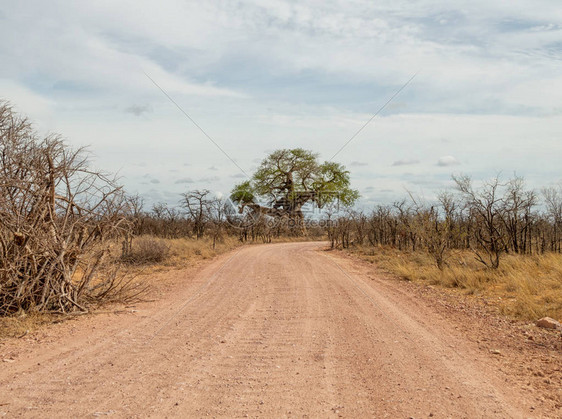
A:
[21,324]
[525,287]
[149,251]
[150,255]
[297,239]
[166,254]
[185,251]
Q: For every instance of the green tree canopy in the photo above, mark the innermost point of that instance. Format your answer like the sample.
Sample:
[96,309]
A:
[288,179]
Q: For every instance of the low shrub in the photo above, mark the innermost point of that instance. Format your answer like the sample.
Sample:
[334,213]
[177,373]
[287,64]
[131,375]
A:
[147,250]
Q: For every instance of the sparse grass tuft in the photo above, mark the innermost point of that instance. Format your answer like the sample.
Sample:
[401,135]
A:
[185,251]
[526,287]
[147,249]
[20,325]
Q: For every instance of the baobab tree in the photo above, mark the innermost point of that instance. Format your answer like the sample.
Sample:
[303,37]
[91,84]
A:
[288,179]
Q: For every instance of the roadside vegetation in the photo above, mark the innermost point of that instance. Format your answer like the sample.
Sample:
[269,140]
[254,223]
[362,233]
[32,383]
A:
[499,240]
[524,286]
[57,219]
[71,239]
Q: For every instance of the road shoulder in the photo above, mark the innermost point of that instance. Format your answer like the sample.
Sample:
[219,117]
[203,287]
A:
[527,357]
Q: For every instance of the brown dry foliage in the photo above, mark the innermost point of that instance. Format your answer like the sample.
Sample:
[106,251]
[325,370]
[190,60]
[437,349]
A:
[524,286]
[57,216]
[147,250]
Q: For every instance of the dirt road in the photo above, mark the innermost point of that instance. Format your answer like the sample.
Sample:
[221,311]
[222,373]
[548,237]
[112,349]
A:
[283,330]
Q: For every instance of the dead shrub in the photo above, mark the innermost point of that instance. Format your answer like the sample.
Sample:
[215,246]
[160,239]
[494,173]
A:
[147,250]
[57,218]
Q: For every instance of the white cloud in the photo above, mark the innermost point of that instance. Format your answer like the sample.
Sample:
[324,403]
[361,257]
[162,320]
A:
[259,75]
[446,161]
[405,162]
[184,180]
[209,179]
[138,110]
[26,101]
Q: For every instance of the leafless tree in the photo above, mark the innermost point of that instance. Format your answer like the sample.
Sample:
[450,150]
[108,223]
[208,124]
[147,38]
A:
[517,215]
[486,206]
[56,218]
[135,204]
[165,222]
[432,228]
[217,209]
[553,201]
[198,205]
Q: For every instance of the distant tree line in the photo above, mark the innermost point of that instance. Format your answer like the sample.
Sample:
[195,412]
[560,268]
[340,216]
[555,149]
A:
[201,214]
[490,220]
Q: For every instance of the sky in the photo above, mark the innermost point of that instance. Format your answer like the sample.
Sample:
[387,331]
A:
[257,76]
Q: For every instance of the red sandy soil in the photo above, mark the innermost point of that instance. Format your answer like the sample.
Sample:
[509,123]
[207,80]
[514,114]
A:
[286,330]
